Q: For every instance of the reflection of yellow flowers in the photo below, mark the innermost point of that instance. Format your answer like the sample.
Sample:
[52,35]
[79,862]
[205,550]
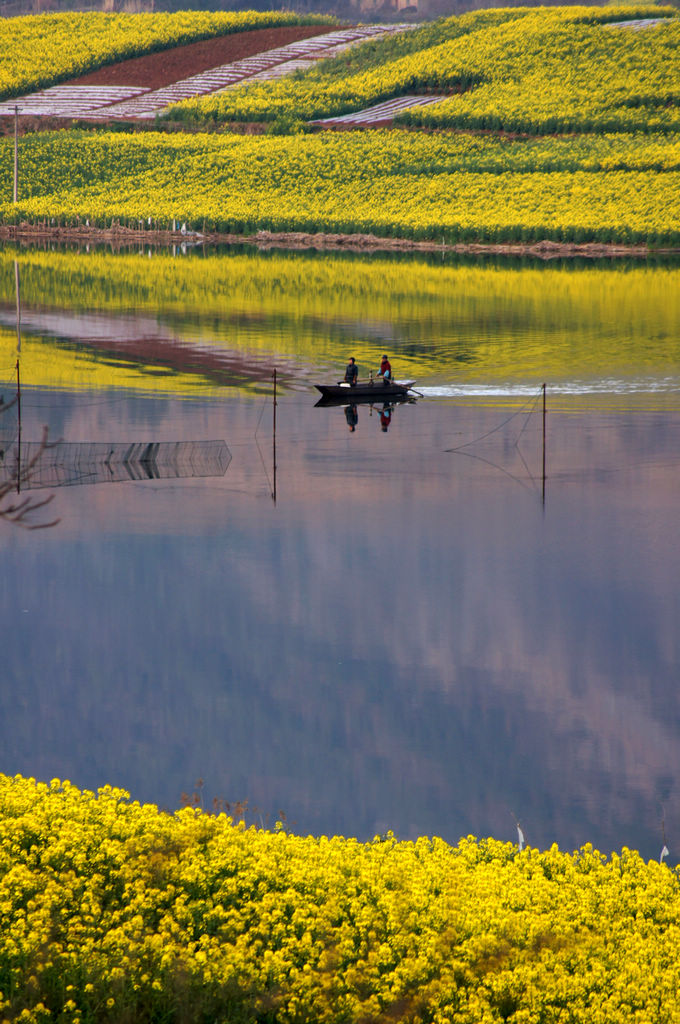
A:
[298,302]
[237,923]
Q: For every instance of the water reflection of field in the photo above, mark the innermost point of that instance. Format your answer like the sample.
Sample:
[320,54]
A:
[197,322]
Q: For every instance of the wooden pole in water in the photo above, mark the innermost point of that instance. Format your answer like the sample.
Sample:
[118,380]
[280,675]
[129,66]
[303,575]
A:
[17,282]
[544,444]
[16,155]
[18,430]
[274,440]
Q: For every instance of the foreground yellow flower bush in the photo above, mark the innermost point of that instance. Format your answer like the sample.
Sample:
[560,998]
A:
[114,911]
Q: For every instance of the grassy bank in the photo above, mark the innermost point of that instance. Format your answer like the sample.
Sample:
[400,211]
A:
[112,911]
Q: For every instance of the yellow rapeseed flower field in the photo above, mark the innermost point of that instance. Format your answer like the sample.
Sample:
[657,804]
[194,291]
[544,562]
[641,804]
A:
[441,187]
[613,177]
[111,910]
[524,70]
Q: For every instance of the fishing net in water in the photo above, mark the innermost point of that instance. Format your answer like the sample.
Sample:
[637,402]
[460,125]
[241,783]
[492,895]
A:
[515,445]
[66,464]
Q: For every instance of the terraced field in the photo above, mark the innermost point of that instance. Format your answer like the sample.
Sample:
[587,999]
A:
[97,99]
[573,69]
[379,114]
[44,50]
[596,85]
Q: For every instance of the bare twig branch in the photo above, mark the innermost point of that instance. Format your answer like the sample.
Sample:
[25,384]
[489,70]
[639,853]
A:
[20,512]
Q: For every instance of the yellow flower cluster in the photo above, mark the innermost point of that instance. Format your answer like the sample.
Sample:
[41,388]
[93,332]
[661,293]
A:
[440,187]
[557,74]
[39,50]
[114,911]
[529,70]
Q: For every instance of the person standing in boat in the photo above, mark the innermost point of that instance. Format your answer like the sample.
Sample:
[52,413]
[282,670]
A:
[385,370]
[351,372]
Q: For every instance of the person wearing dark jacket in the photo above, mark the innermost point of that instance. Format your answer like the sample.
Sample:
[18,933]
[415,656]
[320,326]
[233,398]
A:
[351,372]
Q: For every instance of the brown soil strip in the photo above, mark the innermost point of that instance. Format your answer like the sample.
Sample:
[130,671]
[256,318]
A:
[119,238]
[363,243]
[28,124]
[165,67]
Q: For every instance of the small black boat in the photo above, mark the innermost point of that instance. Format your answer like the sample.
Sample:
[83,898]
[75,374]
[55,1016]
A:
[368,391]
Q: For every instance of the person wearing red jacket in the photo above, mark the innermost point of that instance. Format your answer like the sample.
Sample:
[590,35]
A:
[385,370]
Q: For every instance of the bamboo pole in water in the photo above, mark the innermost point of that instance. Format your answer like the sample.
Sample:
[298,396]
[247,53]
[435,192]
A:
[18,429]
[274,441]
[16,155]
[544,444]
[17,282]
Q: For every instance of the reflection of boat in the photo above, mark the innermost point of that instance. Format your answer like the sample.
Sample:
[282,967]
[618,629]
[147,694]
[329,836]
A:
[369,391]
[373,399]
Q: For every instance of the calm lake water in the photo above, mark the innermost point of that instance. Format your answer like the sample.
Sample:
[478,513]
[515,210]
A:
[410,628]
